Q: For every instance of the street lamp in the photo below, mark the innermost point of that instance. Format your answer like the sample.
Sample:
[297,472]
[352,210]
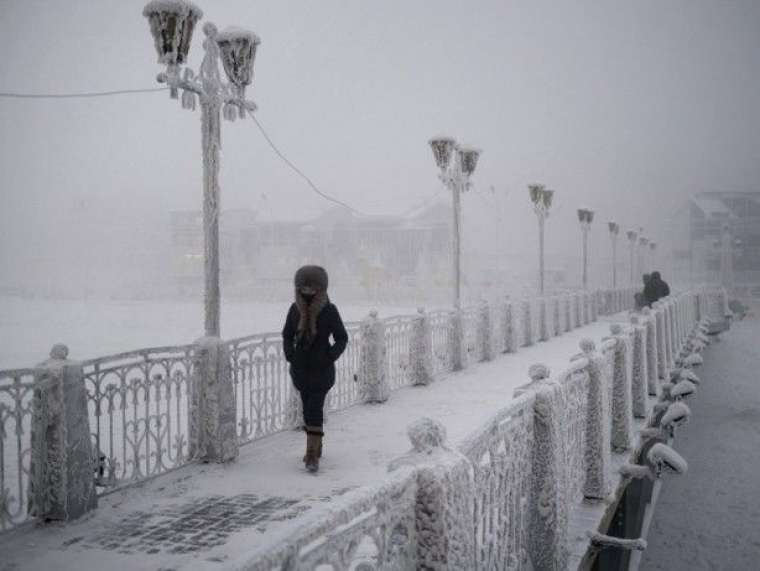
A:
[541,198]
[455,174]
[614,231]
[642,253]
[585,217]
[172,23]
[632,237]
[652,248]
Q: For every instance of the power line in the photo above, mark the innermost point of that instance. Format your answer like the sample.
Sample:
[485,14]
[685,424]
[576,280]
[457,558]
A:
[299,171]
[79,95]
[90,94]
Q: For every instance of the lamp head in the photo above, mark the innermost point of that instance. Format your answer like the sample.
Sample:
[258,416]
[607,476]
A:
[469,160]
[548,195]
[442,148]
[237,48]
[171,24]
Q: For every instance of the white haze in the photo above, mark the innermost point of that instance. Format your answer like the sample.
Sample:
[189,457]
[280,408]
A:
[624,107]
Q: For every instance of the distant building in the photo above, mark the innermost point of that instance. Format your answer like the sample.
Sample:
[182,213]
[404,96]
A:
[367,254]
[709,213]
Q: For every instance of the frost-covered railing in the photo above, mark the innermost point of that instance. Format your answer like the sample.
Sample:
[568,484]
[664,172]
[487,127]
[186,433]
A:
[138,407]
[500,453]
[398,332]
[16,394]
[139,402]
[440,325]
[374,526]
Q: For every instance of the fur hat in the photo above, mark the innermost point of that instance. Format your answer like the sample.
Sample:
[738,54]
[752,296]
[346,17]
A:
[314,276]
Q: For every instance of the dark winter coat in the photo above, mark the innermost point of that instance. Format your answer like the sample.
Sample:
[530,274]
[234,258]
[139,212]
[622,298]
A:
[656,289]
[312,365]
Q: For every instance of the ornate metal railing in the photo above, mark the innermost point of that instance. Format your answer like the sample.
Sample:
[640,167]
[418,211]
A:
[345,393]
[265,398]
[138,404]
[398,331]
[16,394]
[574,385]
[500,453]
[470,318]
[441,332]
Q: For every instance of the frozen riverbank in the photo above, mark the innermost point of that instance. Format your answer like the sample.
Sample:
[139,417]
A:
[92,328]
[709,518]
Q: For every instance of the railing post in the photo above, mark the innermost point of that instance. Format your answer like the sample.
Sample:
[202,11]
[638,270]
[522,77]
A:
[622,409]
[598,450]
[652,351]
[421,349]
[594,305]
[484,332]
[373,362]
[662,360]
[577,301]
[549,516]
[445,503]
[508,327]
[543,326]
[61,470]
[639,378]
[555,309]
[568,312]
[213,412]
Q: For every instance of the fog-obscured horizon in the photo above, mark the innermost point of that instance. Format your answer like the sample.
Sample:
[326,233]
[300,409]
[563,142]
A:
[625,108]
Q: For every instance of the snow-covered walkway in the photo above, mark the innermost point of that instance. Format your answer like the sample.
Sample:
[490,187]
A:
[203,516]
[710,517]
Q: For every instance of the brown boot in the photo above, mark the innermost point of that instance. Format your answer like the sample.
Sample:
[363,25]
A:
[313,446]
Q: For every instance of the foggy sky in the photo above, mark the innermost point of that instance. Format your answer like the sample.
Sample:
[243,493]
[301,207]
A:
[623,107]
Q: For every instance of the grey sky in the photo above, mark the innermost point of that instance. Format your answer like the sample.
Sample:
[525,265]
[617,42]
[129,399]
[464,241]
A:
[620,106]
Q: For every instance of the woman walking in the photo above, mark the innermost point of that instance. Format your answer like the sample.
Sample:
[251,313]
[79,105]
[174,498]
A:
[311,320]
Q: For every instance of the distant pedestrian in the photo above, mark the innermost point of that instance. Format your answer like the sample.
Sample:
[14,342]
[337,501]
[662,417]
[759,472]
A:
[639,297]
[656,288]
[310,322]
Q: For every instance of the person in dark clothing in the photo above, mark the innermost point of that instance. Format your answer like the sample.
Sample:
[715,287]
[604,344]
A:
[656,288]
[640,298]
[310,322]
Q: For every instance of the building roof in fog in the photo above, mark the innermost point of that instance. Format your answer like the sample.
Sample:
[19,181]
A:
[727,205]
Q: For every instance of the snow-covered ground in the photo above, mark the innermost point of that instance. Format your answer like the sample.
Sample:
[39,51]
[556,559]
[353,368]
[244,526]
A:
[359,444]
[93,328]
[709,519]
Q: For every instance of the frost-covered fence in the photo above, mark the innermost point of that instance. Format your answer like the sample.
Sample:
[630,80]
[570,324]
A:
[140,401]
[138,405]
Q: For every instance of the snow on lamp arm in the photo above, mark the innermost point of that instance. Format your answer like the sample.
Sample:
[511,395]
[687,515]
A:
[172,23]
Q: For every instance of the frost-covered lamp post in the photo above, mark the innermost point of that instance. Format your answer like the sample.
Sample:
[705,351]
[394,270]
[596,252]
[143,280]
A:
[172,23]
[632,237]
[643,242]
[585,217]
[541,198]
[652,251]
[614,231]
[455,174]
